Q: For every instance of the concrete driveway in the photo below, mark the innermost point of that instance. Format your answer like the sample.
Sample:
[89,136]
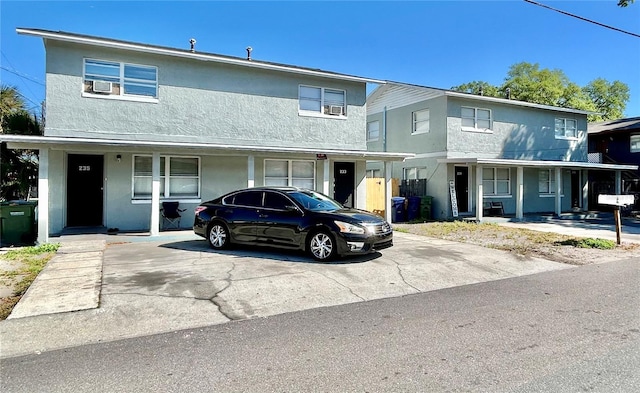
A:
[175,281]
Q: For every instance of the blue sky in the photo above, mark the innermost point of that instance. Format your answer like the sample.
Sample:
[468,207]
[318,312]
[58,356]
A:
[432,43]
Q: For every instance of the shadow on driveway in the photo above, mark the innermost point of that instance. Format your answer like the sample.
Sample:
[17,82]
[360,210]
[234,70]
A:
[265,253]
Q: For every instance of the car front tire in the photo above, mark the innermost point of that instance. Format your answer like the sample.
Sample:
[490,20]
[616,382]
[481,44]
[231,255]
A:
[218,236]
[322,246]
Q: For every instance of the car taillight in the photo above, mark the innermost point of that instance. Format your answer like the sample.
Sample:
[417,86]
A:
[199,209]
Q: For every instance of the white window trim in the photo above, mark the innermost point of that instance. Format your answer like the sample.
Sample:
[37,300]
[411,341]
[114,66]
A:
[495,184]
[475,121]
[414,122]
[417,169]
[563,137]
[167,166]
[631,149]
[552,190]
[376,138]
[122,96]
[289,171]
[308,113]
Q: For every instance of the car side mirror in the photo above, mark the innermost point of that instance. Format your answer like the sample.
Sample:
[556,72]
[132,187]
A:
[292,208]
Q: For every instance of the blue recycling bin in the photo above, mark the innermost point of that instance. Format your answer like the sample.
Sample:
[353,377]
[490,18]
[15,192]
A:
[413,208]
[397,209]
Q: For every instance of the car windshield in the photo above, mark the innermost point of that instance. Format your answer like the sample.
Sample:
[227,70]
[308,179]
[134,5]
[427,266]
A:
[315,201]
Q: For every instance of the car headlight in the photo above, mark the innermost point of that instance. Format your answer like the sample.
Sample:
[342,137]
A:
[345,227]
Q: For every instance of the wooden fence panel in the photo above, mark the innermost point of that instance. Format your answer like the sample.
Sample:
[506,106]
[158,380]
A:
[375,194]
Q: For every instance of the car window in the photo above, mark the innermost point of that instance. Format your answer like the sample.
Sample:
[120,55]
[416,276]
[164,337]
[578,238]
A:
[274,200]
[248,198]
[315,201]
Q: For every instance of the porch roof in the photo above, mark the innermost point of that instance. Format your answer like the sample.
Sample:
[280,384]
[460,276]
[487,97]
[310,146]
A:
[37,142]
[538,164]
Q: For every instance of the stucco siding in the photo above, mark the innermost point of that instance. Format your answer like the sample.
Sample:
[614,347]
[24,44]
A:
[198,102]
[517,133]
[399,122]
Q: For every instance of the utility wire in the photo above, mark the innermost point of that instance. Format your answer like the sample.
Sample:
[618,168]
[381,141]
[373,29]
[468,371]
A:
[584,19]
[21,75]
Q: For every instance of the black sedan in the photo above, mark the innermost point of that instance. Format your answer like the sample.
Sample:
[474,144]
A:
[292,218]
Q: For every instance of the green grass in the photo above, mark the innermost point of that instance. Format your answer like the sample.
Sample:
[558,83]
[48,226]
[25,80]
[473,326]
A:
[31,261]
[590,242]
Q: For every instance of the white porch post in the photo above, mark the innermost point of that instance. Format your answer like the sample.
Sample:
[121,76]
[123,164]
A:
[251,168]
[155,195]
[520,193]
[388,190]
[325,177]
[479,194]
[585,190]
[558,191]
[43,196]
[618,182]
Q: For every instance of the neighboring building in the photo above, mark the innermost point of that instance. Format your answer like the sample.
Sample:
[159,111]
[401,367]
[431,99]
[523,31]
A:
[130,125]
[614,142]
[523,157]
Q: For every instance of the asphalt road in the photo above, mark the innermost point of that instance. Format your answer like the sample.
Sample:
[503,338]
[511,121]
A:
[562,331]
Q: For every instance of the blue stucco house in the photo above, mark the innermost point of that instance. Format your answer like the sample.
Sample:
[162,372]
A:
[130,125]
[474,150]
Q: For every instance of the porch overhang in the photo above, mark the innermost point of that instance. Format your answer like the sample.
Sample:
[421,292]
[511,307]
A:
[536,163]
[59,143]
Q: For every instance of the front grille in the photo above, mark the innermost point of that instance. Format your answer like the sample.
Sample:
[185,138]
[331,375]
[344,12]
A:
[381,229]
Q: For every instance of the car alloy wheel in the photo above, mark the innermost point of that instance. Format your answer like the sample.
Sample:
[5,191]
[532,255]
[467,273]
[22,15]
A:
[218,236]
[321,246]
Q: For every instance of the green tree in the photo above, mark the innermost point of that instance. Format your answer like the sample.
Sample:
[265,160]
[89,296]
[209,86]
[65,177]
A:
[479,88]
[528,82]
[609,99]
[625,3]
[18,168]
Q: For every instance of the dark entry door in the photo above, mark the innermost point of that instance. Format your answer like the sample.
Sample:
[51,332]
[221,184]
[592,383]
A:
[462,188]
[84,190]
[344,174]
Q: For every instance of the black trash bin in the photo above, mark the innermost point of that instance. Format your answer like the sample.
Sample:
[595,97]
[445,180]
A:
[397,209]
[17,223]
[413,208]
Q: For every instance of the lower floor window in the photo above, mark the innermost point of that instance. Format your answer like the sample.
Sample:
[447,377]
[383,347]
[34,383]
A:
[414,173]
[546,182]
[296,173]
[496,181]
[179,177]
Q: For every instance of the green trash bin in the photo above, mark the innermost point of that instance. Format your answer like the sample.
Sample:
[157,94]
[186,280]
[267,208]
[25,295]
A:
[425,207]
[17,223]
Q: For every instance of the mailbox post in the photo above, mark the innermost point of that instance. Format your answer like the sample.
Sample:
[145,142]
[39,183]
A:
[616,201]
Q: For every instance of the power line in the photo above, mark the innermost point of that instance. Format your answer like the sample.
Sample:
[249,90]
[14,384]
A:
[584,19]
[21,75]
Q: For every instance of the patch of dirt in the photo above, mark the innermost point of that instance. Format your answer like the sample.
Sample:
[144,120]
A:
[522,242]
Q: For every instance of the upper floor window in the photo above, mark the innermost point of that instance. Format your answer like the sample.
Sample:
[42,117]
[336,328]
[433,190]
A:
[318,100]
[635,143]
[476,119]
[420,121]
[373,131]
[179,177]
[496,181]
[566,128]
[296,173]
[114,79]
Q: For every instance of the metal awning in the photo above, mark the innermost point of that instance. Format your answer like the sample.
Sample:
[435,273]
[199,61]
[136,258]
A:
[38,142]
[536,164]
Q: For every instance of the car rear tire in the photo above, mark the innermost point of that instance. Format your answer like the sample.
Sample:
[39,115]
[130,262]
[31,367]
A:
[321,246]
[218,236]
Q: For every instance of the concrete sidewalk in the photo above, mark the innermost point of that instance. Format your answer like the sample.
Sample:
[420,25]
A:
[163,284]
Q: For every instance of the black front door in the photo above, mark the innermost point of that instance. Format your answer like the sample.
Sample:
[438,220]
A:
[344,184]
[462,188]
[84,190]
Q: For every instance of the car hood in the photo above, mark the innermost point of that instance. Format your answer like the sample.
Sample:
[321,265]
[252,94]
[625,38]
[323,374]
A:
[356,215]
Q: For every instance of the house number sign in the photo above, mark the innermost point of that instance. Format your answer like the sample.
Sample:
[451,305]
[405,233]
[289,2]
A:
[84,168]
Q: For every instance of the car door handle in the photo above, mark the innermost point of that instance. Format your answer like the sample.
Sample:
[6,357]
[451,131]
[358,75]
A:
[263,215]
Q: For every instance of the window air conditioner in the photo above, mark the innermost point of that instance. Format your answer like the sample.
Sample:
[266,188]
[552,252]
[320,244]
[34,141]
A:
[335,110]
[101,87]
